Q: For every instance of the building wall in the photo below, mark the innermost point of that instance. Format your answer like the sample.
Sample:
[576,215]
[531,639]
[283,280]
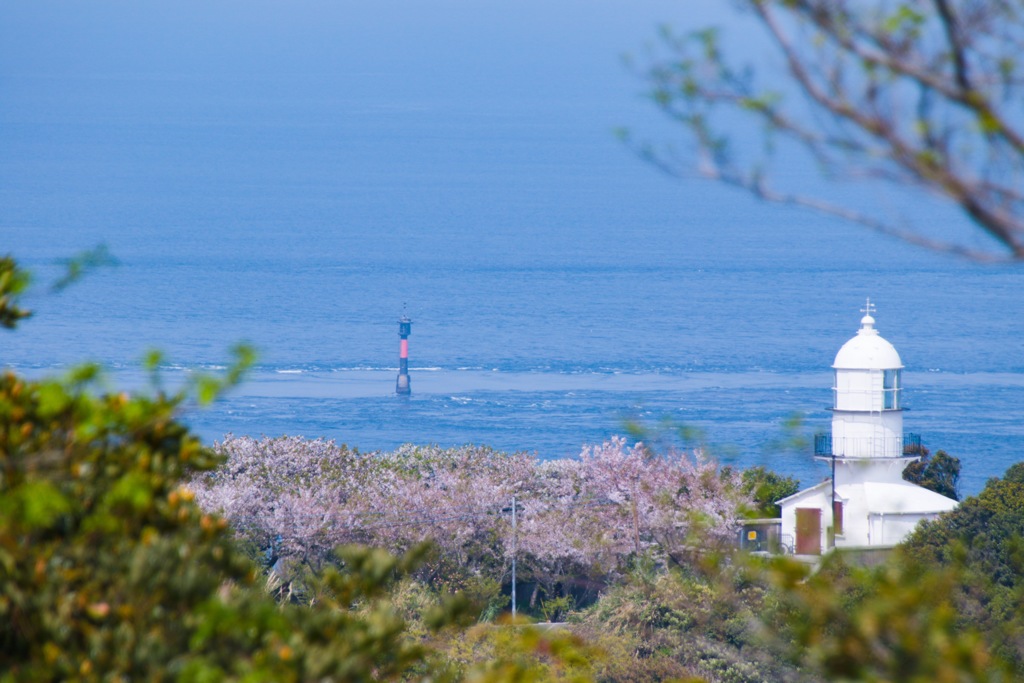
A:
[818,499]
[853,390]
[762,535]
[893,528]
[853,479]
[861,526]
[856,529]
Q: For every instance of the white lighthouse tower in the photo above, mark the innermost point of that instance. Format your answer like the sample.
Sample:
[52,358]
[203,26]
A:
[867,417]
[866,502]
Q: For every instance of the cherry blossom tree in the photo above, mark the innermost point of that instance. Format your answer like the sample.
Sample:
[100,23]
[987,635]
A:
[579,520]
[663,499]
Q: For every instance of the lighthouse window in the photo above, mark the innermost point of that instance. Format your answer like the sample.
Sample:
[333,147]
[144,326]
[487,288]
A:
[891,389]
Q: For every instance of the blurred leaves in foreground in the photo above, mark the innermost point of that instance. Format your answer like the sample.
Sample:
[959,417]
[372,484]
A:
[13,282]
[77,266]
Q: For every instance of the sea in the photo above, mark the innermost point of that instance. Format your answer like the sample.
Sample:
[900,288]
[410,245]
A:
[299,179]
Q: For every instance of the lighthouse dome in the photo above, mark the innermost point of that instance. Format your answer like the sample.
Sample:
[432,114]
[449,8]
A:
[867,350]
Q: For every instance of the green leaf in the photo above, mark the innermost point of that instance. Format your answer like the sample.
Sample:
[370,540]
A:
[132,490]
[905,18]
[207,389]
[152,360]
[13,282]
[53,399]
[38,504]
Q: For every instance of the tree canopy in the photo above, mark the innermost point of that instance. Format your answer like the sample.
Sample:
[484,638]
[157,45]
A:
[108,568]
[939,472]
[923,94]
[766,488]
[984,536]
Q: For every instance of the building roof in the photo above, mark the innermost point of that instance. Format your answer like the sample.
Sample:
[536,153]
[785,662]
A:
[800,494]
[867,351]
[904,497]
[882,497]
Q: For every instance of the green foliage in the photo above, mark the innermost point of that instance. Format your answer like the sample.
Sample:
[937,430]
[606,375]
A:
[669,623]
[939,473]
[897,622]
[104,520]
[107,567]
[767,487]
[13,282]
[984,537]
[746,619]
[555,609]
[109,570]
[508,651]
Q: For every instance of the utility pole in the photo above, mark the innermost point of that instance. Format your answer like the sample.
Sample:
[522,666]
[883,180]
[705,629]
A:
[514,549]
[636,522]
[833,509]
[515,542]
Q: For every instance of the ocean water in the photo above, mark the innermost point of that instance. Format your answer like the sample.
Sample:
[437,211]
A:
[560,289]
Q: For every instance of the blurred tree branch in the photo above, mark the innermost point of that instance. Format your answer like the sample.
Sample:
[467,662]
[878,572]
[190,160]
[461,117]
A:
[919,93]
[83,262]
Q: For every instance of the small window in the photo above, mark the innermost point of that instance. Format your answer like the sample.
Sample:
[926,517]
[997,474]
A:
[891,390]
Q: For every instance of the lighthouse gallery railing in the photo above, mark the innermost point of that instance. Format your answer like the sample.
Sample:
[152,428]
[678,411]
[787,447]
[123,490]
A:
[855,446]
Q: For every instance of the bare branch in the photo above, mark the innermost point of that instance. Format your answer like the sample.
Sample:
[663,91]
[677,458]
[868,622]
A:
[956,47]
[967,97]
[1001,225]
[909,97]
[758,188]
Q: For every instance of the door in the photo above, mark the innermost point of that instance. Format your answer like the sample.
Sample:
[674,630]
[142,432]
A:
[808,531]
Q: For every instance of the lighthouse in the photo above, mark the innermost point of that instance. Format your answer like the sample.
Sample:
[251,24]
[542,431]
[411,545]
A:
[867,412]
[865,502]
[403,386]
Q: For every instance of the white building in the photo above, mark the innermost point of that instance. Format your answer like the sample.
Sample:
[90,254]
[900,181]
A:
[866,502]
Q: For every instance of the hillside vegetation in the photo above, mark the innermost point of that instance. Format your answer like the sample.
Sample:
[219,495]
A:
[130,551]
